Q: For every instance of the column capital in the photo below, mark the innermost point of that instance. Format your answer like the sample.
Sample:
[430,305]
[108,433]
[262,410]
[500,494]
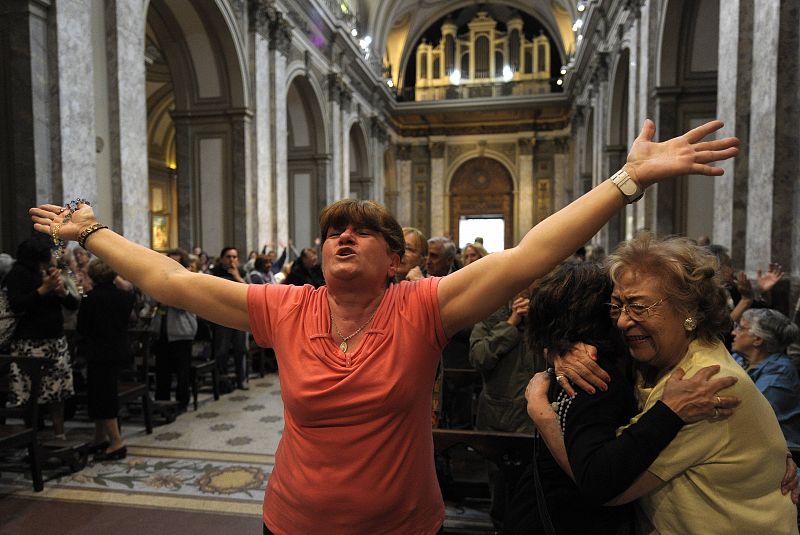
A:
[378,129]
[280,34]
[262,12]
[526,145]
[403,151]
[437,149]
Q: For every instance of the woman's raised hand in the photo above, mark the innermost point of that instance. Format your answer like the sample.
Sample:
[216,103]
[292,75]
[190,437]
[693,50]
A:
[696,399]
[47,216]
[648,162]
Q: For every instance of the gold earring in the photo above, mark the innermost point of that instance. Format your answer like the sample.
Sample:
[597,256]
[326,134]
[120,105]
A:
[690,324]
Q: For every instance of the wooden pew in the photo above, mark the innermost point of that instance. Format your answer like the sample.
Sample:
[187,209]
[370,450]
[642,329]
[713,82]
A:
[509,452]
[18,436]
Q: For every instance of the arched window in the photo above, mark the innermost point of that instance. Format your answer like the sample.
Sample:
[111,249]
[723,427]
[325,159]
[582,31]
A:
[498,64]
[528,61]
[436,63]
[513,50]
[423,66]
[449,54]
[482,57]
[465,65]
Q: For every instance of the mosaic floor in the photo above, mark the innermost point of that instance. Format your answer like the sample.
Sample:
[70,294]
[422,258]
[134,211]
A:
[216,459]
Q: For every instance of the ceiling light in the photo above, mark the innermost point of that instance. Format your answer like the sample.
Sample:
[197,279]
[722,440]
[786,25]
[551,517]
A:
[507,74]
[455,77]
[354,32]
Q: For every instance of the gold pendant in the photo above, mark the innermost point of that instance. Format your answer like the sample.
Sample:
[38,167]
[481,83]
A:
[343,347]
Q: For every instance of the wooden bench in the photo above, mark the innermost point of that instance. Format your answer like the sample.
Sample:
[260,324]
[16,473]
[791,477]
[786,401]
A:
[508,451]
[25,435]
[203,366]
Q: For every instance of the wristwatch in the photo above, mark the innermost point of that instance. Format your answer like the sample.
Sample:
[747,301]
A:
[629,188]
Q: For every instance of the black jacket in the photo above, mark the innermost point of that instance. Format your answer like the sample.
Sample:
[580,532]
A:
[103,323]
[40,315]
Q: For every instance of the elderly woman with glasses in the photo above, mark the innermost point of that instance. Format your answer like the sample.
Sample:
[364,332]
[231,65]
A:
[714,477]
[760,340]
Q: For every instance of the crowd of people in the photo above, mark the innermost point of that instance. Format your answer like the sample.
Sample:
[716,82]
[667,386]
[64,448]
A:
[619,363]
[74,310]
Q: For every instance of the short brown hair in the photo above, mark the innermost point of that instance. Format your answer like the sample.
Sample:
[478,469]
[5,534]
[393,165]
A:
[100,272]
[366,214]
[422,240]
[686,273]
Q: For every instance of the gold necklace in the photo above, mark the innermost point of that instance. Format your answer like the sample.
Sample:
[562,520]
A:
[343,345]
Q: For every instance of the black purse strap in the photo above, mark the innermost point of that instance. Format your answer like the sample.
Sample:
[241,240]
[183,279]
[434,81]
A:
[544,514]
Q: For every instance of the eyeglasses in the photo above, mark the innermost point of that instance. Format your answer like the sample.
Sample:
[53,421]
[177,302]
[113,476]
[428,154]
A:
[635,311]
[738,327]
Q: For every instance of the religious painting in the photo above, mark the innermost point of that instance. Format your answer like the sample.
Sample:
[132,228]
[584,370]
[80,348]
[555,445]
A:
[159,225]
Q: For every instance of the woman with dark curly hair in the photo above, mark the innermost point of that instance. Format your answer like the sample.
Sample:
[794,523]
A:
[571,305]
[714,476]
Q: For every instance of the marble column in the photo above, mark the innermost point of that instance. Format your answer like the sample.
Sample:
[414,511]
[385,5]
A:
[378,138]
[438,194]
[335,137]
[127,144]
[25,103]
[74,136]
[404,189]
[189,234]
[773,144]
[733,108]
[280,41]
[526,191]
[259,191]
[240,154]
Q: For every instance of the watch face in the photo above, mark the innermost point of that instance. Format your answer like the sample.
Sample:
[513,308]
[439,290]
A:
[628,187]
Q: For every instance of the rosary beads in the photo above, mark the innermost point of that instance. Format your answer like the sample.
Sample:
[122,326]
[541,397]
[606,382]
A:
[59,245]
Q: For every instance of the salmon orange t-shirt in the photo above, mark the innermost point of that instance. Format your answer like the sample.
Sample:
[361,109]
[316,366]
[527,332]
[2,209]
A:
[356,455]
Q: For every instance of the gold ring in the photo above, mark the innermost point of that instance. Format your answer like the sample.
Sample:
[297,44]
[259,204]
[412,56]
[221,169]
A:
[719,401]
[716,413]
[558,378]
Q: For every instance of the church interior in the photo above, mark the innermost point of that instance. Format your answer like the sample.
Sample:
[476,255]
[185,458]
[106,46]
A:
[207,124]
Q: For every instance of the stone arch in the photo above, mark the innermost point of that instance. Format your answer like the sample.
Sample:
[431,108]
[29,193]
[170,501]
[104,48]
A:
[361,179]
[541,14]
[197,100]
[307,159]
[482,185]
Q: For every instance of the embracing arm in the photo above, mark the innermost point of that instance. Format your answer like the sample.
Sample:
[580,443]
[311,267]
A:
[473,292]
[213,298]
[607,466]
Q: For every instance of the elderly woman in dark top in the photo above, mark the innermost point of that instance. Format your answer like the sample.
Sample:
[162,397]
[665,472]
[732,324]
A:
[36,293]
[760,340]
[103,323]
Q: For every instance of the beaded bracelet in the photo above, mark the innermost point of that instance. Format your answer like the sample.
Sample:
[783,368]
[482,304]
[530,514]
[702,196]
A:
[59,245]
[88,231]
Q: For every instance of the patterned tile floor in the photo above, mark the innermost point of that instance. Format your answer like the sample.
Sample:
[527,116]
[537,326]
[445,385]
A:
[215,459]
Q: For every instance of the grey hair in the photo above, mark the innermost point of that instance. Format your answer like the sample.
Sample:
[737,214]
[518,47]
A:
[448,246]
[775,329]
